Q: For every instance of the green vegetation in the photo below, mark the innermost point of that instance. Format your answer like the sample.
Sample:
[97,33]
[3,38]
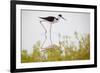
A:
[71,51]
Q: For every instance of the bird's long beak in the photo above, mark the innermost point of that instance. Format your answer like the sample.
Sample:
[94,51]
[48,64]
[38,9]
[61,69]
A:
[63,18]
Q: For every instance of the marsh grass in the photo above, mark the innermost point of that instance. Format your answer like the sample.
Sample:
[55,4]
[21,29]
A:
[72,52]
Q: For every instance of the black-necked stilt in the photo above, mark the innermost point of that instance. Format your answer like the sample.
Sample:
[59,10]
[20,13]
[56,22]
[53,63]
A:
[52,20]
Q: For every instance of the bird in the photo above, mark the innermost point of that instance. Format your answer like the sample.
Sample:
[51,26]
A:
[51,20]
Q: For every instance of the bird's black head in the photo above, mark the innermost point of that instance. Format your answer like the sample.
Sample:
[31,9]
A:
[60,15]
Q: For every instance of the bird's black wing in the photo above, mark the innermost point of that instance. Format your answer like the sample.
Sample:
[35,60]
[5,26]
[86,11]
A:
[49,18]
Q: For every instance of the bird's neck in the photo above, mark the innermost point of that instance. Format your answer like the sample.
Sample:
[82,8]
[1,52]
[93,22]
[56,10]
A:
[59,17]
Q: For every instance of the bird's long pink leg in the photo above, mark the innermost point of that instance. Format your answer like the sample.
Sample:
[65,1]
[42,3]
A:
[41,48]
[50,33]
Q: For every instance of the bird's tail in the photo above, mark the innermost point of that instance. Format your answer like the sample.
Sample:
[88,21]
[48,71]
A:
[41,17]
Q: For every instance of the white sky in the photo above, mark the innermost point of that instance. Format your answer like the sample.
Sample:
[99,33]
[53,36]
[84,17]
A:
[32,30]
